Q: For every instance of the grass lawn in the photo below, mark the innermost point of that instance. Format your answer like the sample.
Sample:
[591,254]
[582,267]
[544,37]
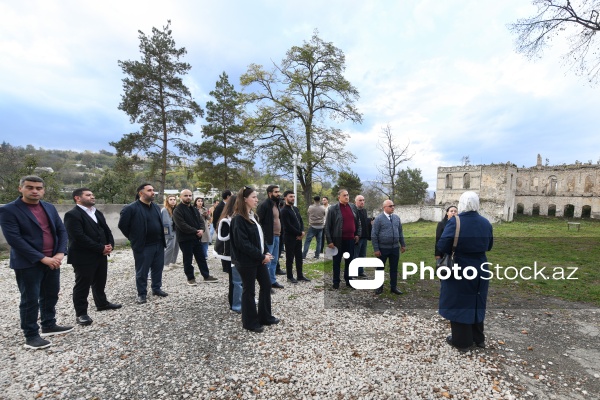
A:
[523,242]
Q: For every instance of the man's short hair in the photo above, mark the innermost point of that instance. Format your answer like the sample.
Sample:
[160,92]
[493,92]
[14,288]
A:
[142,186]
[325,197]
[288,192]
[30,178]
[341,191]
[226,193]
[317,198]
[270,188]
[79,192]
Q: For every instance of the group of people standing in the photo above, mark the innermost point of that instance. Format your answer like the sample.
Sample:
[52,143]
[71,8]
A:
[250,238]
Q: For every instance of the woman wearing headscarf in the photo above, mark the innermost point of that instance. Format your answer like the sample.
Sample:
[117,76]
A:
[450,212]
[463,301]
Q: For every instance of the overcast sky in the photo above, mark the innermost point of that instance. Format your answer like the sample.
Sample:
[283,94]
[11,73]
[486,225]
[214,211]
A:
[442,74]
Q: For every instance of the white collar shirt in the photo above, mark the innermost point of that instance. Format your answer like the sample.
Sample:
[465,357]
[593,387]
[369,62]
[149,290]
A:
[89,211]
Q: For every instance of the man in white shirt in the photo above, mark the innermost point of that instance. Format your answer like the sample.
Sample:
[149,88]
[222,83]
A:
[90,244]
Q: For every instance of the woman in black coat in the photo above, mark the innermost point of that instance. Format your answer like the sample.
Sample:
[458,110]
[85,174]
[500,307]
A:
[463,301]
[450,212]
[250,256]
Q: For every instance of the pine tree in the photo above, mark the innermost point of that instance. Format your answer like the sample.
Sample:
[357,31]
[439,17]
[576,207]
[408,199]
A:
[223,151]
[156,98]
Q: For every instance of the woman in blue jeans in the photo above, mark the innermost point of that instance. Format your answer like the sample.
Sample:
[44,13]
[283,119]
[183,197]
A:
[199,204]
[235,280]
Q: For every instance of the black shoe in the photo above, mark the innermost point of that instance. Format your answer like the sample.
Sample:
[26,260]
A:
[292,280]
[55,330]
[348,285]
[277,285]
[280,272]
[256,330]
[395,290]
[336,285]
[141,299]
[37,343]
[271,321]
[109,306]
[160,292]
[480,345]
[362,275]
[379,290]
[304,279]
[84,320]
[461,349]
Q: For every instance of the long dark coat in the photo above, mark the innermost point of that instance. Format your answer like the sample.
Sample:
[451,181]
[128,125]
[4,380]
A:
[463,300]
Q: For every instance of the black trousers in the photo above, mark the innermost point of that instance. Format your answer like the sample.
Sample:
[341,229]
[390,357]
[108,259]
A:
[293,251]
[193,249]
[464,335]
[86,276]
[251,319]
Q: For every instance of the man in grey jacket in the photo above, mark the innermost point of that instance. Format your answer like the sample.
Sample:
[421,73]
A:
[316,222]
[388,242]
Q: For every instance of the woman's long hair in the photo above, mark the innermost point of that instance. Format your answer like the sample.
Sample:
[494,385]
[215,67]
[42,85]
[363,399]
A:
[168,206]
[446,214]
[229,209]
[240,203]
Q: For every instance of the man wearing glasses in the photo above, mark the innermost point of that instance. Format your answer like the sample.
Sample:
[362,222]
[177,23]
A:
[388,242]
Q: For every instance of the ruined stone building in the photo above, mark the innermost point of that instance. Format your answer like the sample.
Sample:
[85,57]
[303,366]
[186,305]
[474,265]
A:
[570,191]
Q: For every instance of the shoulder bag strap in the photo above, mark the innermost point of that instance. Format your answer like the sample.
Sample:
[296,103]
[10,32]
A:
[456,233]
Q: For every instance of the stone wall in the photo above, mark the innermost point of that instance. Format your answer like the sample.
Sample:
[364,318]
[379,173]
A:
[414,213]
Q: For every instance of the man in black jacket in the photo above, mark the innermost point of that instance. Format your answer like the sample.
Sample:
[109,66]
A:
[190,228]
[90,244]
[141,223]
[294,232]
[360,249]
[269,220]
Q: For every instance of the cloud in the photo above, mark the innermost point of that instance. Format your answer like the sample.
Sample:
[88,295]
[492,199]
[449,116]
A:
[444,75]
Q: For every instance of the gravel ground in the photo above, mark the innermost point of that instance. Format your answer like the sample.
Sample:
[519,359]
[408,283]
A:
[189,345]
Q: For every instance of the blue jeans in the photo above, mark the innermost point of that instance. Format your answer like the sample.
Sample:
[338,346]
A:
[204,249]
[273,248]
[347,247]
[394,256]
[236,278]
[211,233]
[360,250]
[192,249]
[150,260]
[39,287]
[313,233]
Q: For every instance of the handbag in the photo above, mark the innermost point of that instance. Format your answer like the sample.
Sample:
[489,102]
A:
[448,259]
[219,247]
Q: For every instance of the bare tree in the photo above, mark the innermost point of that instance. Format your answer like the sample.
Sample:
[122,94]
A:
[466,160]
[394,155]
[578,20]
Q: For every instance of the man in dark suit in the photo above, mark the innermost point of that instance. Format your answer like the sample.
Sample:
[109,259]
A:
[141,223]
[38,243]
[90,244]
[220,207]
[292,224]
